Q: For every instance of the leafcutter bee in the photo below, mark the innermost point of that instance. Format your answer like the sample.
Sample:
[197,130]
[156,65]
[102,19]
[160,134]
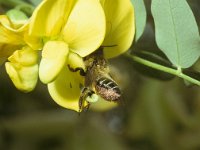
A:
[98,80]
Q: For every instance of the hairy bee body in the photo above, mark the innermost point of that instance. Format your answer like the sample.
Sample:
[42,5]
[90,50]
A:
[107,89]
[98,79]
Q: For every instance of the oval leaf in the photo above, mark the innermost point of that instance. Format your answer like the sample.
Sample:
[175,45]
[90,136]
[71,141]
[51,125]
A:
[140,16]
[176,31]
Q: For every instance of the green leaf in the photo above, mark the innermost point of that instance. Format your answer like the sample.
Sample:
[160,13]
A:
[177,33]
[140,15]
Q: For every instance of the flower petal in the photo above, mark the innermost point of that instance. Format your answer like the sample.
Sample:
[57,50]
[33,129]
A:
[85,28]
[120,26]
[75,61]
[33,41]
[9,25]
[5,20]
[65,90]
[49,16]
[23,69]
[54,57]
[7,34]
[24,78]
[25,57]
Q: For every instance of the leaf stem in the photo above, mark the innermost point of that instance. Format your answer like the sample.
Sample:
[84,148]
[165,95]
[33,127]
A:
[163,68]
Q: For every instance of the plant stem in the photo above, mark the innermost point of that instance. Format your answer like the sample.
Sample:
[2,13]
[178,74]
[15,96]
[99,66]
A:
[163,68]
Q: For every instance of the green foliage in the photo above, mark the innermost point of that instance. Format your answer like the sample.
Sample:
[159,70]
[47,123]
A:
[140,15]
[176,34]
[176,31]
[35,2]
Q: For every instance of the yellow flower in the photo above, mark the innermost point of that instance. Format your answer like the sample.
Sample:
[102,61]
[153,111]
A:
[120,31]
[70,29]
[75,32]
[120,26]
[17,47]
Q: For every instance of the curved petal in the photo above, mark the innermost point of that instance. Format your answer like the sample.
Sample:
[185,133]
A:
[23,69]
[120,22]
[17,36]
[75,61]
[54,57]
[25,57]
[85,28]
[5,20]
[49,16]
[8,24]
[24,78]
[65,90]
[7,35]
[34,42]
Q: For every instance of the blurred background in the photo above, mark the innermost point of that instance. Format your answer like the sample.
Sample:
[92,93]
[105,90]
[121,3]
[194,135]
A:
[161,112]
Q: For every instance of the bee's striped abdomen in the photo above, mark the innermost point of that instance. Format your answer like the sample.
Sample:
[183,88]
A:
[108,89]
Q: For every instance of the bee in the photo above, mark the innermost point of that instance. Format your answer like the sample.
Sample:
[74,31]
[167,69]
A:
[97,80]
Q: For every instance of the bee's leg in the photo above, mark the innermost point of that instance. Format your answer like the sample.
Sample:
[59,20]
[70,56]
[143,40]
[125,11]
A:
[85,93]
[81,71]
[82,101]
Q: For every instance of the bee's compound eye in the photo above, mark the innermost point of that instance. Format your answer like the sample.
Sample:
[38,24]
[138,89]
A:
[93,98]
